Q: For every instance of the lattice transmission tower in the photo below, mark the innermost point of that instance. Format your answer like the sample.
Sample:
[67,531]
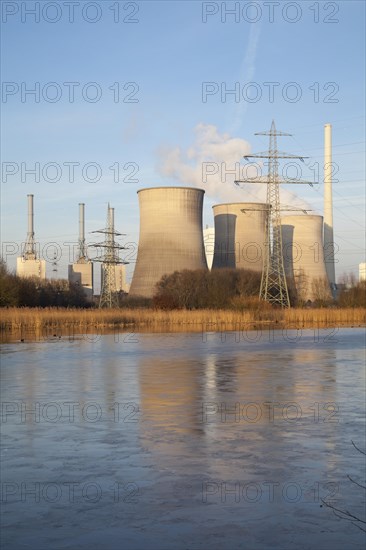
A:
[110,259]
[273,283]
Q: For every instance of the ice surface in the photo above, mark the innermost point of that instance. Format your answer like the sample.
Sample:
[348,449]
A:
[183,441]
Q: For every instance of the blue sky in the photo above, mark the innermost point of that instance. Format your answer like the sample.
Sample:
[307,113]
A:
[168,53]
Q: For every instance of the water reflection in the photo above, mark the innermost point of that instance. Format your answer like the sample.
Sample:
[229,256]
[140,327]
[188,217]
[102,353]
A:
[225,402]
[208,409]
[170,393]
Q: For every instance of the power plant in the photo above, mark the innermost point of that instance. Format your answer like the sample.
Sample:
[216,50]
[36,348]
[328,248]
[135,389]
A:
[29,265]
[171,235]
[251,236]
[240,235]
[304,256]
[81,272]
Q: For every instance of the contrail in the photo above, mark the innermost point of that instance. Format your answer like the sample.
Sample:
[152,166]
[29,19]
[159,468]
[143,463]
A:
[246,74]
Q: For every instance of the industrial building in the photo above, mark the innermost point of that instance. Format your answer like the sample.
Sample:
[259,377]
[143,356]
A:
[362,272]
[120,275]
[29,264]
[81,271]
[209,243]
[240,235]
[171,235]
[302,241]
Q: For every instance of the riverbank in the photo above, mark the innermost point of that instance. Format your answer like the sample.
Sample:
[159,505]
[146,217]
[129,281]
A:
[146,320]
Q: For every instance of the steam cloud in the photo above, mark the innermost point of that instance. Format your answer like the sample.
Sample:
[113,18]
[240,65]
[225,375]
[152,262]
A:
[212,163]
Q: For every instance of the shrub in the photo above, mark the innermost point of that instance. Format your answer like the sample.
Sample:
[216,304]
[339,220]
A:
[201,289]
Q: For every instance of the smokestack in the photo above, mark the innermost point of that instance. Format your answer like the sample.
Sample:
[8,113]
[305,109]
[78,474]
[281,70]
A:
[28,265]
[111,217]
[29,250]
[328,237]
[82,256]
[81,222]
[81,271]
[30,217]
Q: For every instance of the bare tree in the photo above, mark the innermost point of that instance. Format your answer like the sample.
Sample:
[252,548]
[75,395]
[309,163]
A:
[346,514]
[321,290]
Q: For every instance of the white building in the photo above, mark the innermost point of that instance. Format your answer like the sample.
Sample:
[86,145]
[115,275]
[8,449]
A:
[362,271]
[209,243]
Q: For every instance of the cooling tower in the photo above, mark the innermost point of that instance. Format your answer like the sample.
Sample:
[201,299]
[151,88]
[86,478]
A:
[240,235]
[171,237]
[304,257]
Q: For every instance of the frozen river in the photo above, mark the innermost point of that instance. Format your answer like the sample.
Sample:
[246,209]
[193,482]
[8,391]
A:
[183,441]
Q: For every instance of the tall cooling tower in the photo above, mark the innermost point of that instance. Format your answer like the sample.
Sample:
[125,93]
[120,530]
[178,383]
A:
[171,236]
[302,241]
[240,235]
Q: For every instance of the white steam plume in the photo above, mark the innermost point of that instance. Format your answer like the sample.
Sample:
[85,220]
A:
[213,163]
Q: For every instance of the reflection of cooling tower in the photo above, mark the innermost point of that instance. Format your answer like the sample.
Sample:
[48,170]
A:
[304,257]
[240,236]
[171,237]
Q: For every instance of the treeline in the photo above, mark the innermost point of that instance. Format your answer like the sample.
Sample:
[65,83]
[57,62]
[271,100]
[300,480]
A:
[353,296]
[216,289]
[352,293]
[33,292]
[238,289]
[235,289]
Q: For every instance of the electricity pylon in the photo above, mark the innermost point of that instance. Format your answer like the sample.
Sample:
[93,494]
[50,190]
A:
[108,293]
[273,283]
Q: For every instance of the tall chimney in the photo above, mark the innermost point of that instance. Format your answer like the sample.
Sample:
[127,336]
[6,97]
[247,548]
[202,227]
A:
[328,237]
[30,217]
[81,222]
[29,250]
[82,248]
[111,213]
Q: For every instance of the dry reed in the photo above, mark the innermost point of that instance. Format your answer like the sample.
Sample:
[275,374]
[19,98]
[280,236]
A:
[177,320]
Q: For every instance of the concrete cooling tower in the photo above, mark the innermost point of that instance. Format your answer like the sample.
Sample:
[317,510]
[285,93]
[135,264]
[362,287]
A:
[303,255]
[240,235]
[171,236]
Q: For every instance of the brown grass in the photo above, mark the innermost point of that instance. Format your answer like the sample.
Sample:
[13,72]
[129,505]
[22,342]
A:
[79,321]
